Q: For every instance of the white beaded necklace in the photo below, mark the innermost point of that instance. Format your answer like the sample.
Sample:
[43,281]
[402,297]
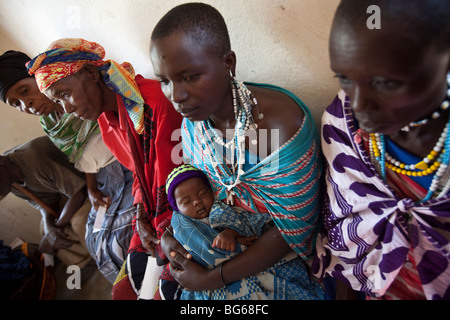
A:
[243,103]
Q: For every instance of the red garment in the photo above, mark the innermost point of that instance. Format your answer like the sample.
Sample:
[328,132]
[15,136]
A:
[115,137]
[148,155]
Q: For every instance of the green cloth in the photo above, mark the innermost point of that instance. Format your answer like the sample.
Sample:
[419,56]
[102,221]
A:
[69,133]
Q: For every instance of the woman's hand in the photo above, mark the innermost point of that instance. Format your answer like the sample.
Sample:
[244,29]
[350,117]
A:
[170,246]
[145,230]
[54,240]
[192,276]
[97,198]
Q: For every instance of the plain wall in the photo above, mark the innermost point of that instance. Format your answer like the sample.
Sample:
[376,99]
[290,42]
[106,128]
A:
[282,42]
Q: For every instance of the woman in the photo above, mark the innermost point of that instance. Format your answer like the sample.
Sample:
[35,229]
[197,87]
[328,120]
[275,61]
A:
[108,183]
[136,122]
[386,142]
[191,55]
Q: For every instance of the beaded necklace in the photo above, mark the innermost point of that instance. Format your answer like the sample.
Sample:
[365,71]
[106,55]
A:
[243,103]
[436,162]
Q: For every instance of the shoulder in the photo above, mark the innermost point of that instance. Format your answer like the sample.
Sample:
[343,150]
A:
[40,148]
[282,110]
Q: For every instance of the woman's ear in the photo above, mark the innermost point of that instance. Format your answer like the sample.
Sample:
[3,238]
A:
[230,62]
[91,71]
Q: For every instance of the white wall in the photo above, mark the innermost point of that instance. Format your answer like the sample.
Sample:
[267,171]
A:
[282,42]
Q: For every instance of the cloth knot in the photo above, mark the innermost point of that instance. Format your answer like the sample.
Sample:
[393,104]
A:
[405,205]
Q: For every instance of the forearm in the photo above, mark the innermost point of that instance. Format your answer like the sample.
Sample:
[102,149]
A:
[48,219]
[91,181]
[72,205]
[262,254]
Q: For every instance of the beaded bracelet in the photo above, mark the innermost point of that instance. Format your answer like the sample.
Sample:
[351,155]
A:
[221,275]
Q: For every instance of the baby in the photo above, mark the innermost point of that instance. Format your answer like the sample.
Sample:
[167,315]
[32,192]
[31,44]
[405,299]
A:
[189,193]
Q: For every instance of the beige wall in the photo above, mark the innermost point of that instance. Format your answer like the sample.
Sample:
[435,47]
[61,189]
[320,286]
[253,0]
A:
[282,42]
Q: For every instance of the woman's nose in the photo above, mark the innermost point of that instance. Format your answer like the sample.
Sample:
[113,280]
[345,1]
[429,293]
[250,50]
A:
[178,93]
[360,100]
[68,108]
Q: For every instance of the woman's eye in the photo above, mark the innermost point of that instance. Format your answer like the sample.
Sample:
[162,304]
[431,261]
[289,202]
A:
[343,80]
[163,81]
[387,84]
[24,91]
[191,78]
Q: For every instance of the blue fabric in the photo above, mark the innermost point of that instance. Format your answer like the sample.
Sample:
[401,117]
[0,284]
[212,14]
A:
[13,264]
[286,280]
[109,245]
[287,181]
[407,158]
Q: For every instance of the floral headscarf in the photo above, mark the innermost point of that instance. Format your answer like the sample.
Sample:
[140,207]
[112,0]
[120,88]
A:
[66,57]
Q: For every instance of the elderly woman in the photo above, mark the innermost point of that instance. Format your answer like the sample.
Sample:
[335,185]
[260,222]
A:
[136,122]
[225,123]
[108,183]
[387,146]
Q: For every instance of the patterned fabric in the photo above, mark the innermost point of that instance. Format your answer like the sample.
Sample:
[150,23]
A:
[109,245]
[66,57]
[69,133]
[286,280]
[193,233]
[152,156]
[370,229]
[285,183]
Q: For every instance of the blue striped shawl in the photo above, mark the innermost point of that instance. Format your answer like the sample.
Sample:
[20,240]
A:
[287,181]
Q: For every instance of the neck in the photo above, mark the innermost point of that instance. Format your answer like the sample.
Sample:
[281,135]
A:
[419,139]
[224,117]
[109,98]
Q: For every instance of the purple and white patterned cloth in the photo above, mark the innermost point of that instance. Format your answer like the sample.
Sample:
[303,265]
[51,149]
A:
[369,230]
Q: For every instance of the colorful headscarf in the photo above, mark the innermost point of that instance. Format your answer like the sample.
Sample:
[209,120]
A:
[66,57]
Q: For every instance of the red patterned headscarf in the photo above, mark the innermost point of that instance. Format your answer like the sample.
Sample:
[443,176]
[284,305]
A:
[66,57]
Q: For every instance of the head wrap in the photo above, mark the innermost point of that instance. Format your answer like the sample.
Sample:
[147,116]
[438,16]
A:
[177,176]
[12,70]
[66,57]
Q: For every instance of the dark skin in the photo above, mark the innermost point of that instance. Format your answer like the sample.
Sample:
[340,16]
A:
[391,81]
[196,80]
[87,96]
[54,236]
[195,199]
[25,96]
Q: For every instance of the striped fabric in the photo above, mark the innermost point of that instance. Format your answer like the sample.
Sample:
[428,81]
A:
[284,184]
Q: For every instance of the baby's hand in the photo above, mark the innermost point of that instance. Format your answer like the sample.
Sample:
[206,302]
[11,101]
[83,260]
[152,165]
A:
[226,240]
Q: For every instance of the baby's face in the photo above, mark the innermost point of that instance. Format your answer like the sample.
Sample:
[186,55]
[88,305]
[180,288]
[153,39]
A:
[194,198]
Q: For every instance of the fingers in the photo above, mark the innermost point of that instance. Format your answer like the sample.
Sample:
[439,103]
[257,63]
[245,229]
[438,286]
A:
[101,202]
[177,261]
[223,244]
